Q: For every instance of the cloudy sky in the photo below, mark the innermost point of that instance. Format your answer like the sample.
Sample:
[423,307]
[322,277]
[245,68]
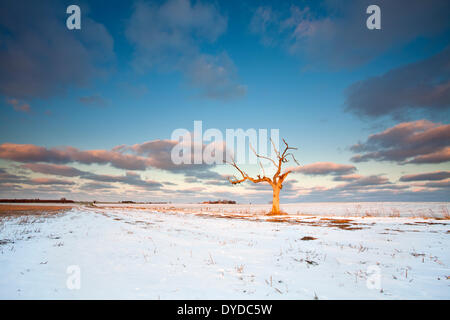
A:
[88,114]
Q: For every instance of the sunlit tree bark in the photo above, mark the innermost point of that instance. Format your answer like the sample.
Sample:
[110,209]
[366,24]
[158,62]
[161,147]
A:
[276,181]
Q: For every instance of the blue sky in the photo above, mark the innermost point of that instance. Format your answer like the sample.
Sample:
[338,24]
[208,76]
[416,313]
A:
[137,71]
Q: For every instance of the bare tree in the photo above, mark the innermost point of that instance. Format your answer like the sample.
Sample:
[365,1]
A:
[278,178]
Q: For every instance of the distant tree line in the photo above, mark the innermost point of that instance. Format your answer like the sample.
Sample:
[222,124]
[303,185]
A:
[220,202]
[62,200]
[130,202]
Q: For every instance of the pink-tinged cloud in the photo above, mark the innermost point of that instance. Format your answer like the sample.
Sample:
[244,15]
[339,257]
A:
[366,182]
[429,176]
[94,186]
[54,169]
[348,177]
[158,152]
[151,147]
[325,168]
[158,155]
[49,181]
[373,188]
[444,184]
[419,141]
[151,154]
[19,106]
[32,153]
[433,157]
[6,177]
[438,184]
[129,178]
[118,160]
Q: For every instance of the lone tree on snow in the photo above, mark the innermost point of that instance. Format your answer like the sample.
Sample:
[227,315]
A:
[278,178]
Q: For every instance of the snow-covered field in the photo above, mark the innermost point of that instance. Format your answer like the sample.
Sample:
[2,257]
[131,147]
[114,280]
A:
[228,252]
[341,209]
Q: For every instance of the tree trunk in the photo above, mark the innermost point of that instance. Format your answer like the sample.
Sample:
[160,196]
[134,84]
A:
[276,200]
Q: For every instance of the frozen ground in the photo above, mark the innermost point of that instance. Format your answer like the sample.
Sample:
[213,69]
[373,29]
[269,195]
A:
[211,251]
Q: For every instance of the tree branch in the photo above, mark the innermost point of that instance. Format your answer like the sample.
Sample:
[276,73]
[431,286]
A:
[277,178]
[263,157]
[247,177]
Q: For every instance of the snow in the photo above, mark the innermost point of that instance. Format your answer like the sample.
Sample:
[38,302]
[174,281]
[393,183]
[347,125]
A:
[225,252]
[344,209]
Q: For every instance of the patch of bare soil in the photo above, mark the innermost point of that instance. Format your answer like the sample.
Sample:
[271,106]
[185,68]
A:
[307,238]
[429,223]
[21,210]
[343,224]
